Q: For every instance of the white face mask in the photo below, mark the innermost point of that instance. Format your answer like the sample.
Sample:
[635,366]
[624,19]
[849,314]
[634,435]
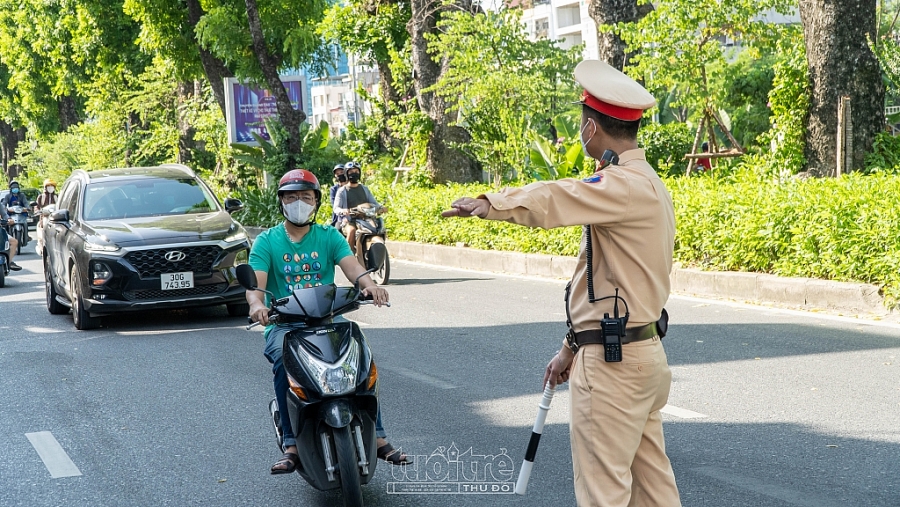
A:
[581,135]
[298,212]
[51,189]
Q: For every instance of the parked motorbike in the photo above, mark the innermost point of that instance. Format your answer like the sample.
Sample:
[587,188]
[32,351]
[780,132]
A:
[333,396]
[370,237]
[19,227]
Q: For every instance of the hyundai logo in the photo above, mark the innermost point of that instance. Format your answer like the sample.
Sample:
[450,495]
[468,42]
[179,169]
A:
[175,256]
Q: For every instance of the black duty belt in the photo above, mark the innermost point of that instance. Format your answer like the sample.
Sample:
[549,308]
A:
[634,334]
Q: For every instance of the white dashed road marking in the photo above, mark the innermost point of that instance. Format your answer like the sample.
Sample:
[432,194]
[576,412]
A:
[682,412]
[52,454]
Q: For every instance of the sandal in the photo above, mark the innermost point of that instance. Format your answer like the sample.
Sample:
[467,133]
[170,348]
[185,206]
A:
[286,465]
[393,456]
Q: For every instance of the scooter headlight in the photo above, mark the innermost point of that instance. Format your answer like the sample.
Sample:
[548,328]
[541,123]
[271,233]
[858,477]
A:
[338,379]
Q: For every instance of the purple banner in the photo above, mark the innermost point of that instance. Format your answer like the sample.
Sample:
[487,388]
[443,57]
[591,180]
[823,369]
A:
[251,107]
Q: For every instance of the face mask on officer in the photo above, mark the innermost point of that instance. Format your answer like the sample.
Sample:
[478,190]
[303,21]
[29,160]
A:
[584,142]
[353,177]
[298,212]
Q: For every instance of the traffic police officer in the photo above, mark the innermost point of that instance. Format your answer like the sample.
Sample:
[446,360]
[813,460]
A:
[618,448]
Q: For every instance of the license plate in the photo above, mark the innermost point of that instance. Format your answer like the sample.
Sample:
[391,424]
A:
[172,281]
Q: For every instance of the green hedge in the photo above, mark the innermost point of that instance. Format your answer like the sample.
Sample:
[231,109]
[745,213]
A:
[843,229]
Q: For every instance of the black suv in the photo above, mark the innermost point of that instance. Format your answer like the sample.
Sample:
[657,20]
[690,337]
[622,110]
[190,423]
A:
[141,238]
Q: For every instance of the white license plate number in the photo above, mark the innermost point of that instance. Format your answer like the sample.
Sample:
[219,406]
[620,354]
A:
[173,281]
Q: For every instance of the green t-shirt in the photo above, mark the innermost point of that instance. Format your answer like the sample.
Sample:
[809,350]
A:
[307,263]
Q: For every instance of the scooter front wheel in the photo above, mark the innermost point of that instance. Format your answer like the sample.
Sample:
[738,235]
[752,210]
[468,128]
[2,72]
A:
[348,465]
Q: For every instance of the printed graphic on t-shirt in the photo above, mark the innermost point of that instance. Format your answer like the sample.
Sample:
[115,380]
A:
[303,272]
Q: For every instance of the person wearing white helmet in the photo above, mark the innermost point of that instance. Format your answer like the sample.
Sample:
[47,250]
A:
[612,355]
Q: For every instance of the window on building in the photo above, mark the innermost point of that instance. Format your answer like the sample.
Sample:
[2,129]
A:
[542,28]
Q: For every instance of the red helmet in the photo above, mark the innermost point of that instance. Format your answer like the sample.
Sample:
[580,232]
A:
[299,179]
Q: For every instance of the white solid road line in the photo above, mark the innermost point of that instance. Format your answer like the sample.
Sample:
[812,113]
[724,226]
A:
[52,454]
[682,412]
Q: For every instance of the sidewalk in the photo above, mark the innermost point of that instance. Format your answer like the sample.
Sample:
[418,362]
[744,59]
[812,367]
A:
[851,299]
[810,294]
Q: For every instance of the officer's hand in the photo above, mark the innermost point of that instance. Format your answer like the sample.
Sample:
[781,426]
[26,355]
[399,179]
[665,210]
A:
[259,313]
[468,207]
[557,371]
[379,295]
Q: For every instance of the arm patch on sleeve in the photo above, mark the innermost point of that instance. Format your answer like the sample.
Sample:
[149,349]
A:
[595,178]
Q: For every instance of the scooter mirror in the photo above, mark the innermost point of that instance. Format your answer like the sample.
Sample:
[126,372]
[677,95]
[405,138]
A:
[356,282]
[246,276]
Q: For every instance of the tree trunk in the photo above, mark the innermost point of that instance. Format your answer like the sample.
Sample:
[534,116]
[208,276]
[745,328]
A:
[444,162]
[268,62]
[841,63]
[389,96]
[611,48]
[68,112]
[216,71]
[9,144]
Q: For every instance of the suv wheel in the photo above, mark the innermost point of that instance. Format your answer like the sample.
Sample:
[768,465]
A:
[53,306]
[82,317]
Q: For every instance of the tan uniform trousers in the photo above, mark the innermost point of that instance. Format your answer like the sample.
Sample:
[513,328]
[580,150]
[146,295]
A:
[618,449]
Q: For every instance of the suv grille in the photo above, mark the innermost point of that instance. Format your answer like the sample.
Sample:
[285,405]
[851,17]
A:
[152,263]
[202,290]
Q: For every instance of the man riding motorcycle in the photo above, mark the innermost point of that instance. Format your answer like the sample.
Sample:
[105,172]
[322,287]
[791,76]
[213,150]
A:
[13,244]
[348,197]
[300,253]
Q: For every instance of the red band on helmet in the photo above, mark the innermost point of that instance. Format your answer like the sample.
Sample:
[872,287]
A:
[618,112]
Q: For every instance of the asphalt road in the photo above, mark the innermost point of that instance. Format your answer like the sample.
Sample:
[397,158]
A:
[768,407]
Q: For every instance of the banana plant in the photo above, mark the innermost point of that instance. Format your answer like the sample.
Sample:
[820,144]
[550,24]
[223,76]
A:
[556,160]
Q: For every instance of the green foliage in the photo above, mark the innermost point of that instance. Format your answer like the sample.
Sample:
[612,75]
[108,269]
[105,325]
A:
[789,102]
[499,83]
[885,155]
[666,145]
[744,90]
[563,157]
[679,42]
[318,154]
[832,228]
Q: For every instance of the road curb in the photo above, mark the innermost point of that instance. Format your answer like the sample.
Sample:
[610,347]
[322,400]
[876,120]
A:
[760,288]
[803,293]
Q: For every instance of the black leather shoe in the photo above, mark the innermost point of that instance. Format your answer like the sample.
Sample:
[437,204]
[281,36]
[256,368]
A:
[14,267]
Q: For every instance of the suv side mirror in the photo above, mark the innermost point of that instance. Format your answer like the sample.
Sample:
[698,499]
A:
[232,205]
[60,216]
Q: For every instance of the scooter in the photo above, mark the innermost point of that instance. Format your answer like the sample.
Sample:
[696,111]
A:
[19,228]
[333,395]
[370,237]
[4,256]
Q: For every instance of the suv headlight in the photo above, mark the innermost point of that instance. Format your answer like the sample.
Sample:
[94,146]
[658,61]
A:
[100,247]
[235,237]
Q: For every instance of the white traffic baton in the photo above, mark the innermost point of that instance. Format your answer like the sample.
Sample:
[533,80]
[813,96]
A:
[528,463]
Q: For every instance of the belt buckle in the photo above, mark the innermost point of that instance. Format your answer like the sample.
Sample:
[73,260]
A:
[571,341]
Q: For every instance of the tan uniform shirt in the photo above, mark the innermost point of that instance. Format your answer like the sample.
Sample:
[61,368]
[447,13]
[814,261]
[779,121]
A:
[633,235]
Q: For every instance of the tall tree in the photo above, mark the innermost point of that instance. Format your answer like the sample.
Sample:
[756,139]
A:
[611,47]
[258,39]
[169,29]
[444,161]
[841,63]
[375,30]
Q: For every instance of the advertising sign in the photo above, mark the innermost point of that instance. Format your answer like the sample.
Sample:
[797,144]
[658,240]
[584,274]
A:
[247,107]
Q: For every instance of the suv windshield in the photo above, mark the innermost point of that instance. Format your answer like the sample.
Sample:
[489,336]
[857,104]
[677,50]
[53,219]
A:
[145,197]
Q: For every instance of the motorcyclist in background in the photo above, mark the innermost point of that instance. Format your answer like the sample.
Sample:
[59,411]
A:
[349,196]
[13,244]
[340,179]
[17,198]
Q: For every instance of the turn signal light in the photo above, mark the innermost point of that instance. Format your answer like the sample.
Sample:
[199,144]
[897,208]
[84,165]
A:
[296,389]
[373,376]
